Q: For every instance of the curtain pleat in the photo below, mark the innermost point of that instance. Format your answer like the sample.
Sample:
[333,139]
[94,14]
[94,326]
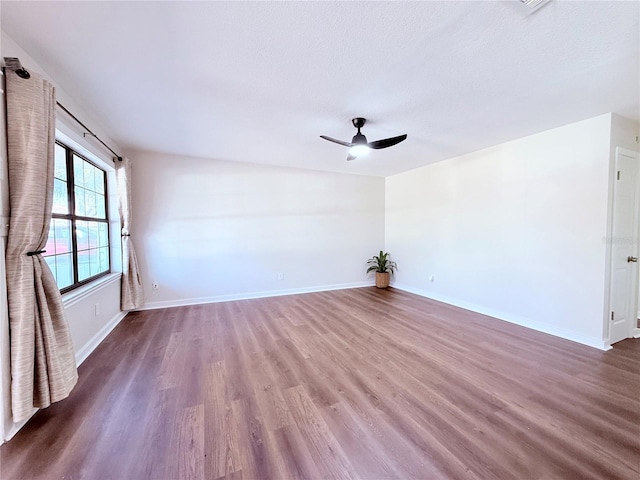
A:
[43,366]
[131,295]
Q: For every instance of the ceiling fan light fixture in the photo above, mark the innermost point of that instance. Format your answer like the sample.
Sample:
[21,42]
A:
[359,150]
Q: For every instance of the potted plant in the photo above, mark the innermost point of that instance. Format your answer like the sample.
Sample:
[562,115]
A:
[383,267]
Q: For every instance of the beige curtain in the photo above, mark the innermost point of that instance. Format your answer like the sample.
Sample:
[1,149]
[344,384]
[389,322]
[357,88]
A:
[43,366]
[131,292]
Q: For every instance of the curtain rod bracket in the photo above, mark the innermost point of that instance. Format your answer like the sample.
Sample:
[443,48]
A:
[13,63]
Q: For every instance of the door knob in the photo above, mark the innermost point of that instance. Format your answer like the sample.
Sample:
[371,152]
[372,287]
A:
[632,259]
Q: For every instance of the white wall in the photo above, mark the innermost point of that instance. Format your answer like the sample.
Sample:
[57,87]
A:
[92,315]
[208,230]
[87,328]
[515,231]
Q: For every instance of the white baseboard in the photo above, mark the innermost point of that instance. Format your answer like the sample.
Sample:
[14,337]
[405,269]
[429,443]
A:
[522,321]
[249,296]
[15,428]
[90,346]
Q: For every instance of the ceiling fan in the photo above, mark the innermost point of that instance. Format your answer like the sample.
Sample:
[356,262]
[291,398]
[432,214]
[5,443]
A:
[359,145]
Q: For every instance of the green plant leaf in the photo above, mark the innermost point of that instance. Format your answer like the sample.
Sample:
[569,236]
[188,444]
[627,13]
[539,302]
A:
[381,263]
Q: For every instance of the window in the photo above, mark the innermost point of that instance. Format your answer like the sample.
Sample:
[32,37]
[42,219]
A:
[77,249]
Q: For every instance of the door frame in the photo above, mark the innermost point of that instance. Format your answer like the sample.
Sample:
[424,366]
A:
[634,331]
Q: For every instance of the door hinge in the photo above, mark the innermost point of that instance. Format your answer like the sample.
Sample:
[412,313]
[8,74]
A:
[618,174]
[612,316]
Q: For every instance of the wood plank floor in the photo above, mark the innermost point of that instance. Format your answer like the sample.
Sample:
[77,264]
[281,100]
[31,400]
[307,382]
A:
[356,383]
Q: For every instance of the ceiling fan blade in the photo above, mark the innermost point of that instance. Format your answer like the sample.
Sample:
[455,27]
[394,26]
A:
[351,157]
[387,142]
[339,142]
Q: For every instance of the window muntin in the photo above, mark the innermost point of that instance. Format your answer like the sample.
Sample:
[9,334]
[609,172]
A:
[77,249]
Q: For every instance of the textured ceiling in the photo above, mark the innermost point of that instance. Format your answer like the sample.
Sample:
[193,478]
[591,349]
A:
[259,82]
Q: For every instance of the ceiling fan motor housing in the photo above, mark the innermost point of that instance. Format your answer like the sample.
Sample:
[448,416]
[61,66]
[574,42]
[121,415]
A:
[359,139]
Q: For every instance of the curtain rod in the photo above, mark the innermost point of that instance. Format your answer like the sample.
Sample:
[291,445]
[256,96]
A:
[89,132]
[13,63]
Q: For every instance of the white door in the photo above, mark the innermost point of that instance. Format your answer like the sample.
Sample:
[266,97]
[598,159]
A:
[624,249]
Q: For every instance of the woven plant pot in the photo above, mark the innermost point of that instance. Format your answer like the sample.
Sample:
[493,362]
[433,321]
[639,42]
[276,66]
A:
[382,279]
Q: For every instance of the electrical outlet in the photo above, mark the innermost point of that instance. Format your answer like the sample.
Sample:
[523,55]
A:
[96,309]
[432,278]
[154,285]
[281,276]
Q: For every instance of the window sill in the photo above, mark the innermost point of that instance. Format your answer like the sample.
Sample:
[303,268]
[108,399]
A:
[80,293]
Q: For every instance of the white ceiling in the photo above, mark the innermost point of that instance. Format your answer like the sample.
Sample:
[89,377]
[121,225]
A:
[259,82]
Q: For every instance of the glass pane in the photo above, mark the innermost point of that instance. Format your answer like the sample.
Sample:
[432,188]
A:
[50,246]
[82,235]
[84,260]
[62,230]
[78,171]
[61,163]
[99,180]
[103,235]
[51,261]
[90,204]
[95,262]
[93,234]
[89,176]
[80,208]
[103,257]
[64,267]
[60,197]
[100,208]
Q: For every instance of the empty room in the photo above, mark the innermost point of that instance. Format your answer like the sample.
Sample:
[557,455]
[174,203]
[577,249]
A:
[320,240]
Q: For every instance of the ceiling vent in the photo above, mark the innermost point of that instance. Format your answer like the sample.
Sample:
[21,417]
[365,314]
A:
[528,7]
